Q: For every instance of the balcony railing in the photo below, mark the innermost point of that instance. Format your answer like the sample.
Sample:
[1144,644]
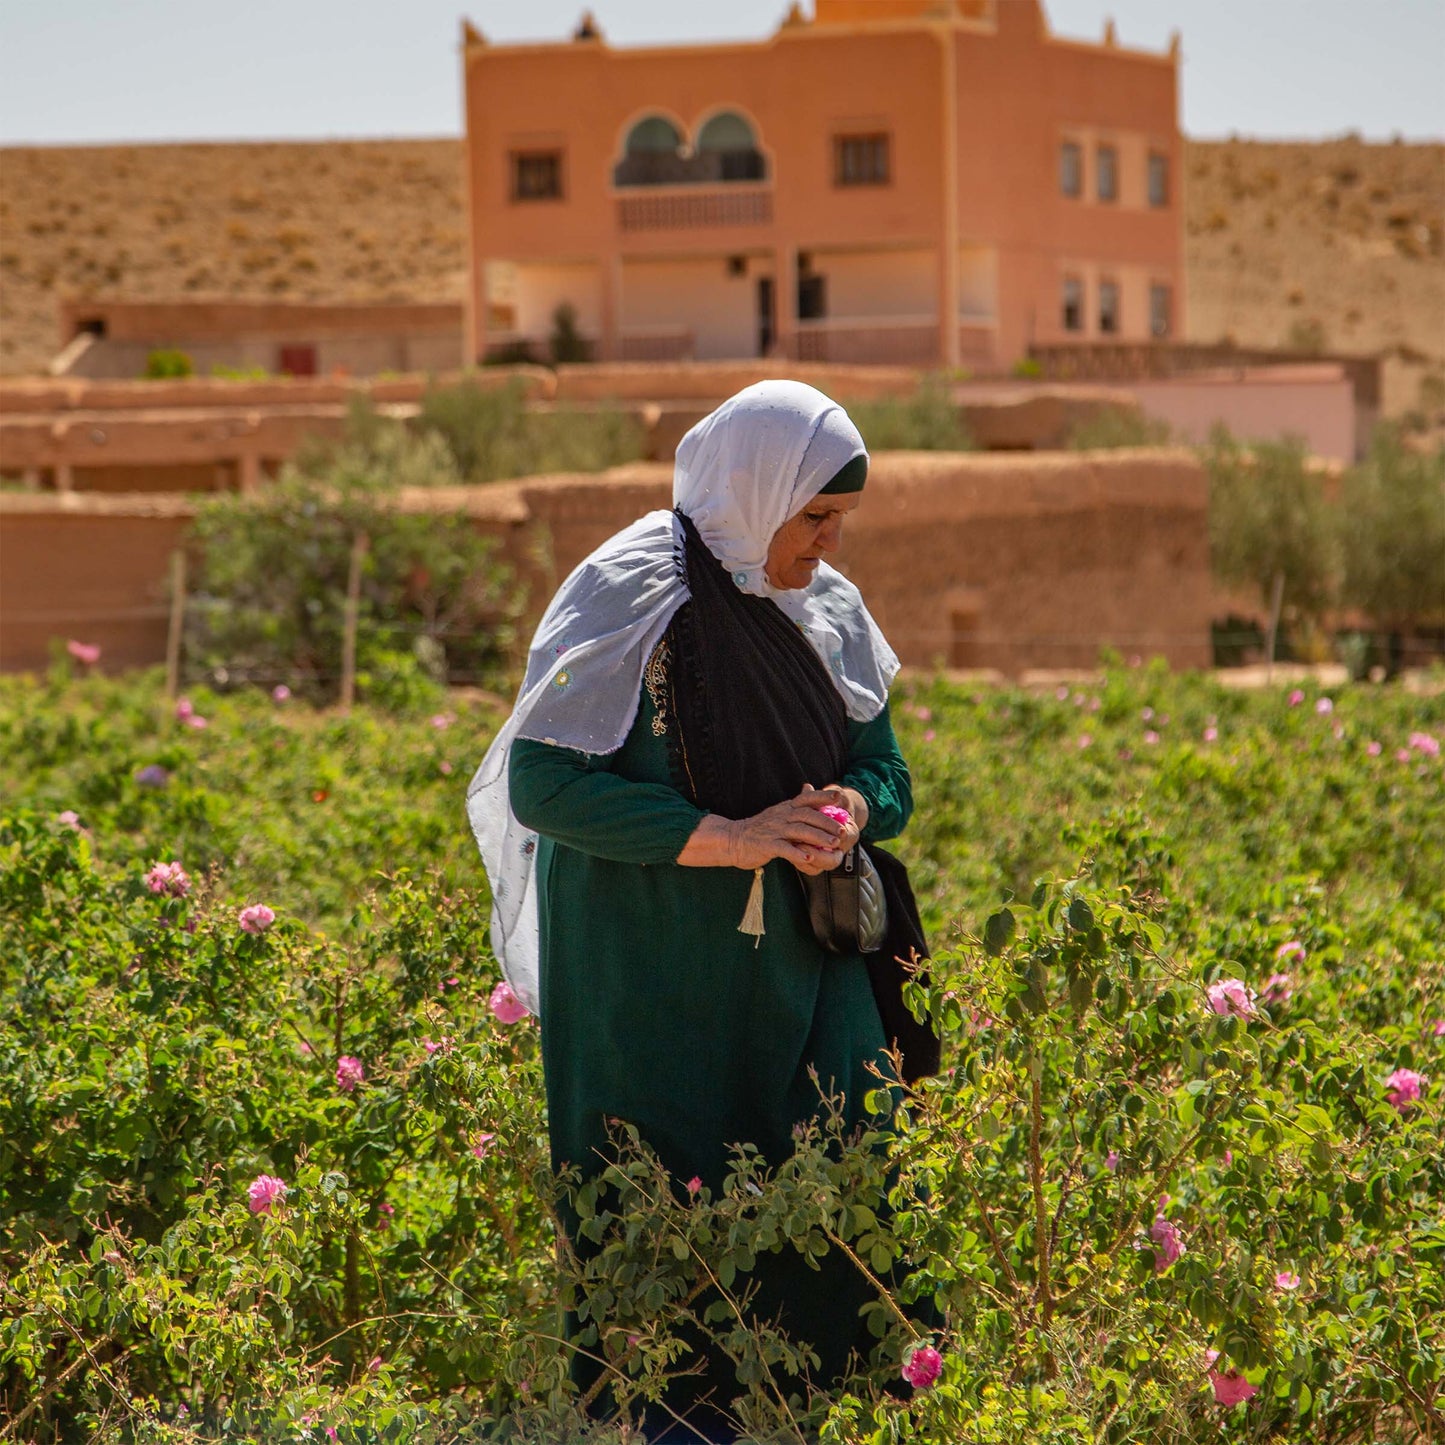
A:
[687,209]
[895,340]
[656,343]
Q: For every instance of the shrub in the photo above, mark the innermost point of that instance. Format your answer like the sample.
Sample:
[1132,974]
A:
[1027,368]
[491,433]
[566,343]
[928,420]
[272,573]
[167,362]
[1117,426]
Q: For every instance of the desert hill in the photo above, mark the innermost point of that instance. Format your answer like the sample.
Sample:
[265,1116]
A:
[1340,243]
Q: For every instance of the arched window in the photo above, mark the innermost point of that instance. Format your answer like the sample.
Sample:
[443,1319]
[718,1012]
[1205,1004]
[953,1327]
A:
[653,135]
[727,150]
[652,155]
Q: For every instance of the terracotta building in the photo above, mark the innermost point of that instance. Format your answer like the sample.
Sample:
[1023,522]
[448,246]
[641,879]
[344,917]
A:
[917,181]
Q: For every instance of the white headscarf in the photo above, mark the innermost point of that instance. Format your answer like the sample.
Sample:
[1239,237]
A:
[741,472]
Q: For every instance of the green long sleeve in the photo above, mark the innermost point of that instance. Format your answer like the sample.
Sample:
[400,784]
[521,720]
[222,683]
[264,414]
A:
[877,770]
[575,799]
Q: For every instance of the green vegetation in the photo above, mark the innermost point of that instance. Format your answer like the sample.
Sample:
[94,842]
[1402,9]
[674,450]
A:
[1117,426]
[491,433]
[272,571]
[166,363]
[1188,972]
[928,420]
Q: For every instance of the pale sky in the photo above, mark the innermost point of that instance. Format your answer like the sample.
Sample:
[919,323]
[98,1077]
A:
[102,71]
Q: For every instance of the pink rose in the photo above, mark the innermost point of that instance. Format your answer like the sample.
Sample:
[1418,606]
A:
[184,708]
[1324,706]
[1085,740]
[841,816]
[86,652]
[929,735]
[694,1186]
[1230,1387]
[1404,1088]
[1151,737]
[1296,698]
[255,918]
[483,1146]
[506,1007]
[1168,1242]
[922,1367]
[1111,1161]
[264,1191]
[1211,735]
[169,879]
[195,720]
[280,693]
[1286,1279]
[349,1072]
[69,819]
[1293,949]
[1425,743]
[1373,749]
[1231,999]
[1438,1028]
[1278,989]
[443,719]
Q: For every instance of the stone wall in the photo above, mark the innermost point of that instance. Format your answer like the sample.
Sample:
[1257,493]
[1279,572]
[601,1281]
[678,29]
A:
[973,561]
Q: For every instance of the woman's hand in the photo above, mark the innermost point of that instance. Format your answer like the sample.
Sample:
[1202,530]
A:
[794,830]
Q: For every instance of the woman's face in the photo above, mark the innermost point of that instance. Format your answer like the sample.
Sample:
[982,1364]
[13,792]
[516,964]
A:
[803,540]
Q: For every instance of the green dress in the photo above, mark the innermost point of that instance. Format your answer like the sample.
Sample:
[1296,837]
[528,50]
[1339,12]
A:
[657,1010]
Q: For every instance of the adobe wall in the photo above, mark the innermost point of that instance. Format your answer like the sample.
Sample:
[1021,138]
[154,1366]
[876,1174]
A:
[1006,562]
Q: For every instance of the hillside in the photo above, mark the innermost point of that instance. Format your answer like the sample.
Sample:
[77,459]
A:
[1339,241]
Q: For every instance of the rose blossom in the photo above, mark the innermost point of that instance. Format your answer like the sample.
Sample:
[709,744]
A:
[255,918]
[170,879]
[483,1146]
[195,720]
[1286,1279]
[1289,950]
[1085,740]
[1425,743]
[694,1186]
[1324,706]
[506,1007]
[184,708]
[1151,737]
[841,816]
[1111,1161]
[1231,998]
[69,819]
[1278,989]
[1373,749]
[1404,1088]
[443,719]
[1230,1387]
[86,652]
[264,1191]
[1167,1238]
[1402,755]
[922,1367]
[280,693]
[1211,735]
[1438,1028]
[349,1072]
[1296,698]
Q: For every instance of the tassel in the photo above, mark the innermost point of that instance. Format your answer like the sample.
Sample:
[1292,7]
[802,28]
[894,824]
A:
[753,913]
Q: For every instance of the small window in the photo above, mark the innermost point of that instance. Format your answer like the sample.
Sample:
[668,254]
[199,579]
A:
[860,160]
[1161,307]
[1158,179]
[1073,304]
[536,175]
[1109,306]
[812,297]
[1071,170]
[1108,163]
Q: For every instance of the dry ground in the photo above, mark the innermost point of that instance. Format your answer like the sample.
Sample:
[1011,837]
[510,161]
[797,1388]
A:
[1339,242]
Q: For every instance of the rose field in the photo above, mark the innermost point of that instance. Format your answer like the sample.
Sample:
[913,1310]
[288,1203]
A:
[273,1154]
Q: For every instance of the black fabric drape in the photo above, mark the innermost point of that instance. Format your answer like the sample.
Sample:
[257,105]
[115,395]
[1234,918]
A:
[757,714]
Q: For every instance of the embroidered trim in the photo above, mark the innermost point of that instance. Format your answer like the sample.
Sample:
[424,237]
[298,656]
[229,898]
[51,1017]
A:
[655,679]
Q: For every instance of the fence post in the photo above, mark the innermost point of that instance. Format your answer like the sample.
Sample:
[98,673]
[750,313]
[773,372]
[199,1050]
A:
[353,610]
[176,623]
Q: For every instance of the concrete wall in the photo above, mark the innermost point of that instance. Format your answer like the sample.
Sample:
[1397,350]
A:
[970,561]
[721,308]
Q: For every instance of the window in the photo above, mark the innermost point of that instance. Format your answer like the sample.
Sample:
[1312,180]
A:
[727,150]
[1108,306]
[812,297]
[1161,305]
[536,175]
[1108,172]
[297,360]
[1073,304]
[652,155]
[654,134]
[1071,170]
[860,160]
[1158,179]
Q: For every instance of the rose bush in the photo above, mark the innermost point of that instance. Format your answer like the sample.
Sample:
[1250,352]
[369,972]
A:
[274,1181]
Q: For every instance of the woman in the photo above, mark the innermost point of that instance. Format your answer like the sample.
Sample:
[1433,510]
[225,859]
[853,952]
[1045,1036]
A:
[701,688]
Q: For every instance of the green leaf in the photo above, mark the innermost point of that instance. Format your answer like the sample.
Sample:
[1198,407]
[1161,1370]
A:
[998,932]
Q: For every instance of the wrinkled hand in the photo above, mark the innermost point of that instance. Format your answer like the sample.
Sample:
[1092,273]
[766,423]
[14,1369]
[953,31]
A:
[835,795]
[795,831]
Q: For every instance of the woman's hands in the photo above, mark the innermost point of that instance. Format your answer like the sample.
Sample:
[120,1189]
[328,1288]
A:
[795,830]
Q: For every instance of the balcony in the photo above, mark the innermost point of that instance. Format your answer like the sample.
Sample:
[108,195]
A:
[687,208]
[702,168]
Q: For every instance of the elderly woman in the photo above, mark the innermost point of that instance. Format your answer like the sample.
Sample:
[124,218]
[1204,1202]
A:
[700,690]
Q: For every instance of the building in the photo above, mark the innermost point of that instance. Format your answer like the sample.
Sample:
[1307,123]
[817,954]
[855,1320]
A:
[116,339]
[926,182]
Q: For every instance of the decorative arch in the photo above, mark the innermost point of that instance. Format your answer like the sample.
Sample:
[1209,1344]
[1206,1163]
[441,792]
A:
[728,148]
[654,152]
[727,130]
[654,134]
